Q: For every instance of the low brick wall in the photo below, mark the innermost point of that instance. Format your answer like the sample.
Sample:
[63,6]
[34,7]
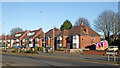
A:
[95,52]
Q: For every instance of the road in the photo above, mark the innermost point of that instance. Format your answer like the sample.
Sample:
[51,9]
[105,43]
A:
[25,60]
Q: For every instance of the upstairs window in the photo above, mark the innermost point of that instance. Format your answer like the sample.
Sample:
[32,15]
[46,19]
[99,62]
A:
[84,30]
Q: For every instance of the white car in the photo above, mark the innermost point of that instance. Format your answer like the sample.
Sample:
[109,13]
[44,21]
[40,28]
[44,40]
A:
[112,48]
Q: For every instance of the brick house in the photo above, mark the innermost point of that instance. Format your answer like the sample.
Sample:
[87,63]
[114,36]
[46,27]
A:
[39,39]
[8,41]
[31,38]
[16,39]
[49,36]
[2,40]
[79,37]
[61,39]
[5,40]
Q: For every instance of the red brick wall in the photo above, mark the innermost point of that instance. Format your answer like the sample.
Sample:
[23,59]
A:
[40,42]
[94,52]
[84,41]
[64,41]
[22,37]
[51,42]
[97,39]
[38,33]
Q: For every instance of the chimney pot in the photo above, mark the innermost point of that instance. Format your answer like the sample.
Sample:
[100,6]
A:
[81,24]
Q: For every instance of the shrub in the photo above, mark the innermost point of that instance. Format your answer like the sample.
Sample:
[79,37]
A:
[36,48]
[32,52]
[14,51]
[41,48]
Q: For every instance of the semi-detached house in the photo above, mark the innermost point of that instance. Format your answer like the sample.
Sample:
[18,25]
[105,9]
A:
[61,39]
[16,39]
[8,41]
[79,37]
[49,37]
[5,39]
[31,39]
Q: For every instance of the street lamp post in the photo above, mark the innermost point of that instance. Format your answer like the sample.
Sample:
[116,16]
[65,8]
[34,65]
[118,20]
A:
[5,42]
[5,36]
[44,32]
[53,38]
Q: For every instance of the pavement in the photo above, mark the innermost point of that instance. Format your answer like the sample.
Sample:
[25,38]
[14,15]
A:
[47,60]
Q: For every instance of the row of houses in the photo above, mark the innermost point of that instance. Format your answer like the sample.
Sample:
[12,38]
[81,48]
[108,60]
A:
[78,37]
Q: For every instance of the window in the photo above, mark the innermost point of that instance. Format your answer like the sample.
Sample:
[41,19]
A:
[74,45]
[59,41]
[47,38]
[47,45]
[93,37]
[84,30]
[59,45]
[74,37]
[30,42]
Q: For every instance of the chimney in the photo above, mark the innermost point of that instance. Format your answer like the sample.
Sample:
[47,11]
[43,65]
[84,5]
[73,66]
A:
[40,29]
[17,32]
[86,29]
[25,30]
[81,24]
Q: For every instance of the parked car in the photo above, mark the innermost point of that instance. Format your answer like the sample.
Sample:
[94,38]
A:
[112,48]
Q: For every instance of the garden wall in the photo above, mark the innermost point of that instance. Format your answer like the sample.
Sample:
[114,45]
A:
[94,52]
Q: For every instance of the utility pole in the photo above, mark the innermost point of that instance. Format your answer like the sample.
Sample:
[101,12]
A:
[5,42]
[5,36]
[53,38]
[44,32]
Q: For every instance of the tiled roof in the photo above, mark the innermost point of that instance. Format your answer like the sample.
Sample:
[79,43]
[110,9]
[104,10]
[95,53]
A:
[92,32]
[14,37]
[50,32]
[41,35]
[3,38]
[78,30]
[36,31]
[8,37]
[63,33]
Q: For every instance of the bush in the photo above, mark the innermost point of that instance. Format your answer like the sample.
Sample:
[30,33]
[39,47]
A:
[62,49]
[32,52]
[41,48]
[14,51]
[36,48]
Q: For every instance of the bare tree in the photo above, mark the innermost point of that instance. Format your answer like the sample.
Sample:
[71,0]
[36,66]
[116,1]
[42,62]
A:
[83,21]
[14,30]
[115,24]
[107,22]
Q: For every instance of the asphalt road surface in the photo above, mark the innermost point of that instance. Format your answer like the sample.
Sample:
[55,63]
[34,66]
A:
[25,60]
